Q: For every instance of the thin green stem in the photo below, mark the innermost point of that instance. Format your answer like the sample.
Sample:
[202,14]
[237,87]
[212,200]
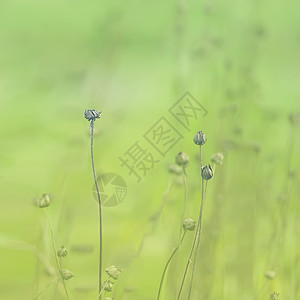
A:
[184,202]
[167,264]
[55,250]
[201,158]
[195,237]
[198,237]
[100,212]
[103,286]
[182,215]
[46,287]
[188,262]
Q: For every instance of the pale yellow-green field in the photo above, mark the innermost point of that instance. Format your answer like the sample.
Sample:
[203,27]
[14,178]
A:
[133,61]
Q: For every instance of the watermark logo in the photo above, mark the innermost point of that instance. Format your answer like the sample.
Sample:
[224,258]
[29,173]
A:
[113,189]
[186,109]
[162,136]
[147,151]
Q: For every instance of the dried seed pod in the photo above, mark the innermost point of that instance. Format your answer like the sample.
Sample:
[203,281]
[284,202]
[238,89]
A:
[44,201]
[274,296]
[66,274]
[189,224]
[200,138]
[270,274]
[113,271]
[182,159]
[92,114]
[217,158]
[62,252]
[108,286]
[207,172]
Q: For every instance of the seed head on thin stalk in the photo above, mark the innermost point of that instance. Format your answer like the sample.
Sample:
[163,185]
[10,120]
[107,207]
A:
[199,139]
[217,158]
[92,115]
[207,172]
[188,224]
[62,252]
[113,272]
[183,161]
[43,203]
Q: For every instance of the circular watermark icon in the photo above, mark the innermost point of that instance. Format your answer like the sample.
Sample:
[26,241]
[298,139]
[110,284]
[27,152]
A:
[113,189]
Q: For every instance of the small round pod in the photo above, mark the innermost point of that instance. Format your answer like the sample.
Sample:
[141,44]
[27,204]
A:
[200,138]
[207,172]
[182,159]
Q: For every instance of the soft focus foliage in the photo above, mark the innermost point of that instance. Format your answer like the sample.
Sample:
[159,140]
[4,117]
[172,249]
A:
[133,60]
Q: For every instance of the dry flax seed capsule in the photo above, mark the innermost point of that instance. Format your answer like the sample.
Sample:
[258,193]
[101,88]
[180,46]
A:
[189,224]
[200,138]
[217,158]
[44,201]
[113,272]
[108,286]
[182,159]
[62,252]
[92,114]
[207,172]
[66,274]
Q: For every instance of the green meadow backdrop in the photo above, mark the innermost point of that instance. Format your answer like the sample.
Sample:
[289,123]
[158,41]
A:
[134,60]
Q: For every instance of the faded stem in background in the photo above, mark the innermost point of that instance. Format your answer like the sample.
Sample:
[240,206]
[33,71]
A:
[167,264]
[199,139]
[155,220]
[198,236]
[55,250]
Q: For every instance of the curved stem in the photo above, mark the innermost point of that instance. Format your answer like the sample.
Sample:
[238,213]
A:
[102,289]
[191,253]
[100,212]
[182,218]
[184,203]
[55,250]
[201,158]
[42,291]
[167,264]
[195,237]
[198,237]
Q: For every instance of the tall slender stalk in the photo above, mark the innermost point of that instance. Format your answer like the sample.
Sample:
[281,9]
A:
[189,261]
[46,287]
[55,250]
[206,173]
[199,228]
[99,204]
[167,264]
[184,203]
[199,224]
[198,236]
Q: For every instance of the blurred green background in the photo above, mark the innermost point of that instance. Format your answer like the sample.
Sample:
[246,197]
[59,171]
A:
[133,60]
